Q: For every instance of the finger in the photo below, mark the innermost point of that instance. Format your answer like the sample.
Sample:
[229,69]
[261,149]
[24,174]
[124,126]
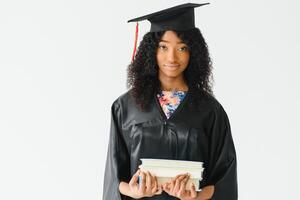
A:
[183,174]
[166,188]
[177,176]
[154,188]
[134,179]
[153,180]
[193,191]
[148,182]
[178,183]
[182,186]
[171,184]
[142,183]
[160,189]
[182,177]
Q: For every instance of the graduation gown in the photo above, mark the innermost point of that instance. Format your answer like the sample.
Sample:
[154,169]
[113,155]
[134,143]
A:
[191,133]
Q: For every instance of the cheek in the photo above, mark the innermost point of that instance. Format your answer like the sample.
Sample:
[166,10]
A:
[159,59]
[185,60]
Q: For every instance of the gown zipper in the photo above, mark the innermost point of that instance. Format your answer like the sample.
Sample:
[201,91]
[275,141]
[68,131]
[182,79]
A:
[180,106]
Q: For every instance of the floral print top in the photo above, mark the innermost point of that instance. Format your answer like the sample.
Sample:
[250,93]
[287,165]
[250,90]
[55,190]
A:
[170,100]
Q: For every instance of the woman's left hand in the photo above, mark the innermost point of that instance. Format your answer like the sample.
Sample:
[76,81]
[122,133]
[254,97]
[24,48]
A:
[177,189]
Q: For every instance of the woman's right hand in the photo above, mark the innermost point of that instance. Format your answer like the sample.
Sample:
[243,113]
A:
[147,187]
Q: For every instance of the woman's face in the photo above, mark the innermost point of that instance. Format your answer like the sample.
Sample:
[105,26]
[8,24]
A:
[172,56]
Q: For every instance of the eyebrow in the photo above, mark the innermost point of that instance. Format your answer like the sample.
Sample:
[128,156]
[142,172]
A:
[169,42]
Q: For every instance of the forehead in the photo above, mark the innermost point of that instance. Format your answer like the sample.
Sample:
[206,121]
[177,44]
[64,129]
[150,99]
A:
[171,36]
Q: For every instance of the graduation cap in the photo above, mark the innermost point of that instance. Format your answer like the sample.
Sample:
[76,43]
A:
[179,18]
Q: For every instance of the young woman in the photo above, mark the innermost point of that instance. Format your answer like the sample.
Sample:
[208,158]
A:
[170,112]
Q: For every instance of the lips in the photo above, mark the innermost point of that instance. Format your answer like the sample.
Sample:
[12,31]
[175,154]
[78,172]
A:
[172,65]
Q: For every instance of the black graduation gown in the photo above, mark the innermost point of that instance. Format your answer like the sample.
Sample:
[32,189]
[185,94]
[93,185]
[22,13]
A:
[195,134]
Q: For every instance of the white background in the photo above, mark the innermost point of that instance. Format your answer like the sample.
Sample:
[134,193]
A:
[63,62]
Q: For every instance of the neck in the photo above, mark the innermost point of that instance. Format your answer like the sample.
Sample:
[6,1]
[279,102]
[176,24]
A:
[169,83]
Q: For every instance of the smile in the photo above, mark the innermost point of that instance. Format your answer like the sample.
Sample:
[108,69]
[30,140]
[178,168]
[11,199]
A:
[172,65]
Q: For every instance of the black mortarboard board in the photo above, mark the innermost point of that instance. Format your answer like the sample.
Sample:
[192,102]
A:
[179,18]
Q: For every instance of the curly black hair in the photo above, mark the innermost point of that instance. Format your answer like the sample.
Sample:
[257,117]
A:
[142,72]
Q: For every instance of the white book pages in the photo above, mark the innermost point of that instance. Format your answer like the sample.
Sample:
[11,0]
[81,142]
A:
[172,171]
[166,162]
[165,170]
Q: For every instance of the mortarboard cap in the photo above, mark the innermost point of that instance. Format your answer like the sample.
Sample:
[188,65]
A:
[179,18]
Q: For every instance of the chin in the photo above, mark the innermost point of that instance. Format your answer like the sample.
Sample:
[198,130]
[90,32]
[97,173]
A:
[172,74]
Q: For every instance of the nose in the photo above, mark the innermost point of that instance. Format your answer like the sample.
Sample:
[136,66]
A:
[171,55]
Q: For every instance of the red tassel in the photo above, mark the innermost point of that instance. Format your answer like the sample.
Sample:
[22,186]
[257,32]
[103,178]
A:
[135,41]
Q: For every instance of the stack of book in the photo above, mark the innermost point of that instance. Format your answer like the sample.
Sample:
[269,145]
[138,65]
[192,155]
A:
[165,170]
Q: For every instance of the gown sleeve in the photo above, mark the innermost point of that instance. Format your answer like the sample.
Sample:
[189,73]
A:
[117,166]
[222,165]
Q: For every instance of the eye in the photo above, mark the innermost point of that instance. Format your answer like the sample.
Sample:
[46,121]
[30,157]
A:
[183,48]
[162,47]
